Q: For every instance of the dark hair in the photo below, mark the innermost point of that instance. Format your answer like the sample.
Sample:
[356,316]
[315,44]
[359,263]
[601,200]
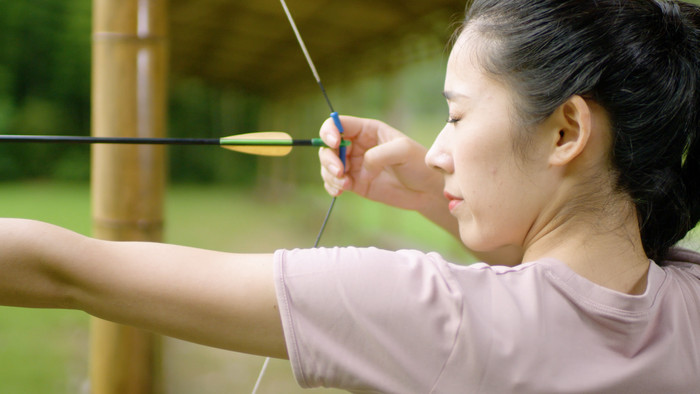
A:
[639,60]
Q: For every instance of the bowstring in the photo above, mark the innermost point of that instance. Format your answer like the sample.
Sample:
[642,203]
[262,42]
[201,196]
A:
[328,101]
[318,238]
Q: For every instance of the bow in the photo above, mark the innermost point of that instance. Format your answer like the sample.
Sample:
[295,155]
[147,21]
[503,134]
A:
[341,149]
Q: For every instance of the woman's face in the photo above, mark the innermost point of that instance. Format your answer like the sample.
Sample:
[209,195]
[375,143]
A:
[495,196]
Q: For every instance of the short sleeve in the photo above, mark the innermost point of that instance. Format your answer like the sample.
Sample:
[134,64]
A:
[365,319]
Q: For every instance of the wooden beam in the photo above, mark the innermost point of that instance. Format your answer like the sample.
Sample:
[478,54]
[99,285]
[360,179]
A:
[129,68]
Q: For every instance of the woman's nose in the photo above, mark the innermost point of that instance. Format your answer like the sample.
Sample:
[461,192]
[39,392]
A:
[439,157]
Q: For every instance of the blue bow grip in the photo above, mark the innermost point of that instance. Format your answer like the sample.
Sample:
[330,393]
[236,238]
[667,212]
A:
[339,126]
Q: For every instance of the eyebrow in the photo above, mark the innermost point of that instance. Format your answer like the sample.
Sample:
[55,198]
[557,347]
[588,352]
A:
[450,95]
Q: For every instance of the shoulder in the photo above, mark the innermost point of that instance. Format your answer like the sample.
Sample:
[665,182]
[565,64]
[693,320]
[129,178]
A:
[364,270]
[683,259]
[380,263]
[404,277]
[349,311]
[359,261]
[683,267]
[516,279]
[415,266]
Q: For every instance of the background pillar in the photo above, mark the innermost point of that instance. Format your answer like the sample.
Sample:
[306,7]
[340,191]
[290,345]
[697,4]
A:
[129,73]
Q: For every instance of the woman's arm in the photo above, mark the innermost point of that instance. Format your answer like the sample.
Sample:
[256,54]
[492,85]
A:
[212,298]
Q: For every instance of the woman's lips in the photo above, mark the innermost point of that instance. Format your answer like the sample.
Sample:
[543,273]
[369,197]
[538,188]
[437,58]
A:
[453,201]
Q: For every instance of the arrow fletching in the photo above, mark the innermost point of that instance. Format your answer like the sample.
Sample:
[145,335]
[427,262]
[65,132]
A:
[268,143]
[265,143]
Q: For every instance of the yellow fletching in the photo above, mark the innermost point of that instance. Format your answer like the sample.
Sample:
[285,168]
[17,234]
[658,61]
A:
[261,137]
[260,149]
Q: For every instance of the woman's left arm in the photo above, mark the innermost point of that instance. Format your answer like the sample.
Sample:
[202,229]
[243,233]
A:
[213,298]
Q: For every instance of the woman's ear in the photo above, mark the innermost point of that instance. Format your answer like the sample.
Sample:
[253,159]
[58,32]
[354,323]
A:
[570,127]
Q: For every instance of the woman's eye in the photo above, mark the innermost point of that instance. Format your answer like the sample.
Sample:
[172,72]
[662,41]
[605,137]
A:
[451,119]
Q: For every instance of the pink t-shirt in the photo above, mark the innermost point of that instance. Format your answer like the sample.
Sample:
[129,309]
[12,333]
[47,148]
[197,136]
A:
[368,320]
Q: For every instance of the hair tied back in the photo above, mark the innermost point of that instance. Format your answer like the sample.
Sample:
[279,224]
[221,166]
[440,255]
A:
[671,18]
[670,10]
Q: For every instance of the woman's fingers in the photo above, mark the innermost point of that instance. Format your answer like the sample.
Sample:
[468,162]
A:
[332,179]
[332,172]
[331,162]
[391,153]
[353,127]
[333,185]
[332,190]
[376,147]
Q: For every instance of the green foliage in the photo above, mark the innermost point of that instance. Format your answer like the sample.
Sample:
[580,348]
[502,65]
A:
[44,83]
[33,358]
[199,110]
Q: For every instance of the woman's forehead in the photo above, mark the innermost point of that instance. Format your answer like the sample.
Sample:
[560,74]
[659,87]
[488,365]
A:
[464,68]
[469,51]
[464,48]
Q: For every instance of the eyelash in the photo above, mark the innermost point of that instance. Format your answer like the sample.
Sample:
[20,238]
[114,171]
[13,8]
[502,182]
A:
[450,119]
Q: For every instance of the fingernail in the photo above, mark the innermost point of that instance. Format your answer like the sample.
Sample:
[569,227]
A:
[332,140]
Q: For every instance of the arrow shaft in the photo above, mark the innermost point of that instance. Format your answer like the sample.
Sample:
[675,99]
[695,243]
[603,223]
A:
[155,141]
[61,139]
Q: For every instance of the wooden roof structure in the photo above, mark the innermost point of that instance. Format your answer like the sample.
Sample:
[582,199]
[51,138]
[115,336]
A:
[250,44]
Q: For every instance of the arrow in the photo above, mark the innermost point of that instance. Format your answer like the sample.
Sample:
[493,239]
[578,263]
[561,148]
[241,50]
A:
[266,143]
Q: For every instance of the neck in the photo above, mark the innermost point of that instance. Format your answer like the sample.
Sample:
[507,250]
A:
[603,246]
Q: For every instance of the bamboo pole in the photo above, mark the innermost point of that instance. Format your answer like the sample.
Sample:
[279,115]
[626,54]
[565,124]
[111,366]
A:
[129,67]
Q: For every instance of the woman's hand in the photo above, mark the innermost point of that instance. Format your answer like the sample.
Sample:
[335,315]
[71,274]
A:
[383,165]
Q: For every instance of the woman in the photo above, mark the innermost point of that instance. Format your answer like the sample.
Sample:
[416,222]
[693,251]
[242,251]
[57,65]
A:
[570,160]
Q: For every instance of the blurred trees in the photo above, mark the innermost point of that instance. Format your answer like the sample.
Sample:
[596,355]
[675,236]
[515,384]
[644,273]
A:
[44,85]
[45,89]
